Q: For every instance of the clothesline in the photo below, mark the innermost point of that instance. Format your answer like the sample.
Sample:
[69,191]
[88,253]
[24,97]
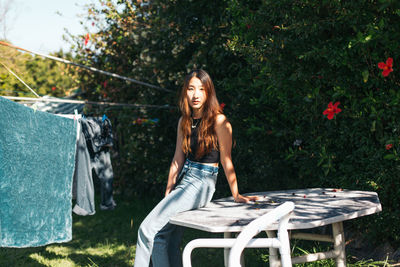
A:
[88,68]
[42,99]
[84,102]
[19,79]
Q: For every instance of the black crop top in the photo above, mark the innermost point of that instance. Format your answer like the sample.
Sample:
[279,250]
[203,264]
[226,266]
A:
[212,157]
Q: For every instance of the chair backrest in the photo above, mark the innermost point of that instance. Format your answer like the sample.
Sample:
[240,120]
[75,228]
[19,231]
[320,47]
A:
[281,213]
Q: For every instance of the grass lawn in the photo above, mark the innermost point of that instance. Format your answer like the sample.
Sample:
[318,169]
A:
[108,238]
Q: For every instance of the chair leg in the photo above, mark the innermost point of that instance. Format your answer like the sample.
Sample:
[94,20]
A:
[227,250]
[242,259]
[286,258]
[273,252]
[339,244]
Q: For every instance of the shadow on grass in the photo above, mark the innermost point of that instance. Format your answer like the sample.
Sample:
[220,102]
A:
[107,238]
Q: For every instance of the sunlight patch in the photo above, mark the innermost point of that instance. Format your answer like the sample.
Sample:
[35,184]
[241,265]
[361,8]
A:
[105,250]
[78,224]
[59,250]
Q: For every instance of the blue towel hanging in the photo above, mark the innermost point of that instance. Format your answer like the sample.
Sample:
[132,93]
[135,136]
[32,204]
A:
[37,154]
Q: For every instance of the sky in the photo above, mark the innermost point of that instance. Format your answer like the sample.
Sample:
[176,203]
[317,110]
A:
[38,25]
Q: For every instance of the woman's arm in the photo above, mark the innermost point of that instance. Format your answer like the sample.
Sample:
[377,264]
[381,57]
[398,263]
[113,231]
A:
[224,134]
[177,161]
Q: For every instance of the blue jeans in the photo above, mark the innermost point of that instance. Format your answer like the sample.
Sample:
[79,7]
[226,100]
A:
[157,238]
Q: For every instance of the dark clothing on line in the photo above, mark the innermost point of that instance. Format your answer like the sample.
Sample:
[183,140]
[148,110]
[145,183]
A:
[83,190]
[97,133]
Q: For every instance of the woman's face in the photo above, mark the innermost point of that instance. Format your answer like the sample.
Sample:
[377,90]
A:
[196,94]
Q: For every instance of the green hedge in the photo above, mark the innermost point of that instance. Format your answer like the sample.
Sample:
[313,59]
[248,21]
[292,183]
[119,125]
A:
[301,55]
[277,65]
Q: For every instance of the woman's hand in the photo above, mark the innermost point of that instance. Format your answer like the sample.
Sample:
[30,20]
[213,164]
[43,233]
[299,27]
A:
[245,199]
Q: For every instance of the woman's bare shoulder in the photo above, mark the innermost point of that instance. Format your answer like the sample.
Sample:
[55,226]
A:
[221,121]
[179,124]
[180,121]
[220,118]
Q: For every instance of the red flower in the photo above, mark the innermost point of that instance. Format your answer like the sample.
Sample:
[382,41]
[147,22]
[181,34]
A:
[222,105]
[87,37]
[332,110]
[53,88]
[248,26]
[386,67]
[389,146]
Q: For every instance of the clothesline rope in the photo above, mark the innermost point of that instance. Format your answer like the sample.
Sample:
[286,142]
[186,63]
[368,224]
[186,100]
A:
[42,99]
[59,100]
[19,79]
[88,68]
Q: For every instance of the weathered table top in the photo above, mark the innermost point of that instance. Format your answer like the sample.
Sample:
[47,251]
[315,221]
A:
[313,207]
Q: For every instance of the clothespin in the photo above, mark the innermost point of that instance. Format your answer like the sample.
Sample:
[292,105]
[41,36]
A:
[75,114]
[78,125]
[34,107]
[140,121]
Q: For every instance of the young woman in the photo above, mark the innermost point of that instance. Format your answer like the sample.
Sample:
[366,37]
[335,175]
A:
[204,139]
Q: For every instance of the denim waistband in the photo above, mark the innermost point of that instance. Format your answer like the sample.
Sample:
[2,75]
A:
[200,166]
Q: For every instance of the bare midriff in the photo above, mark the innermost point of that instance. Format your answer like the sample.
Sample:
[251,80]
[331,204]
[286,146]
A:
[209,164]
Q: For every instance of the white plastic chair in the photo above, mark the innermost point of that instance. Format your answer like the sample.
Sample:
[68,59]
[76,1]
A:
[245,238]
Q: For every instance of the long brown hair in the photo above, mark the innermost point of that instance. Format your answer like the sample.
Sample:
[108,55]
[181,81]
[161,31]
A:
[207,139]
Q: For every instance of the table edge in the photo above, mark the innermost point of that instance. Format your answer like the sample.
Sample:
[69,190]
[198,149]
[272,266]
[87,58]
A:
[291,226]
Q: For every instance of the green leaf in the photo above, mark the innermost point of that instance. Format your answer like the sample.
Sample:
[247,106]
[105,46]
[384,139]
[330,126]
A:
[389,156]
[373,126]
[365,75]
